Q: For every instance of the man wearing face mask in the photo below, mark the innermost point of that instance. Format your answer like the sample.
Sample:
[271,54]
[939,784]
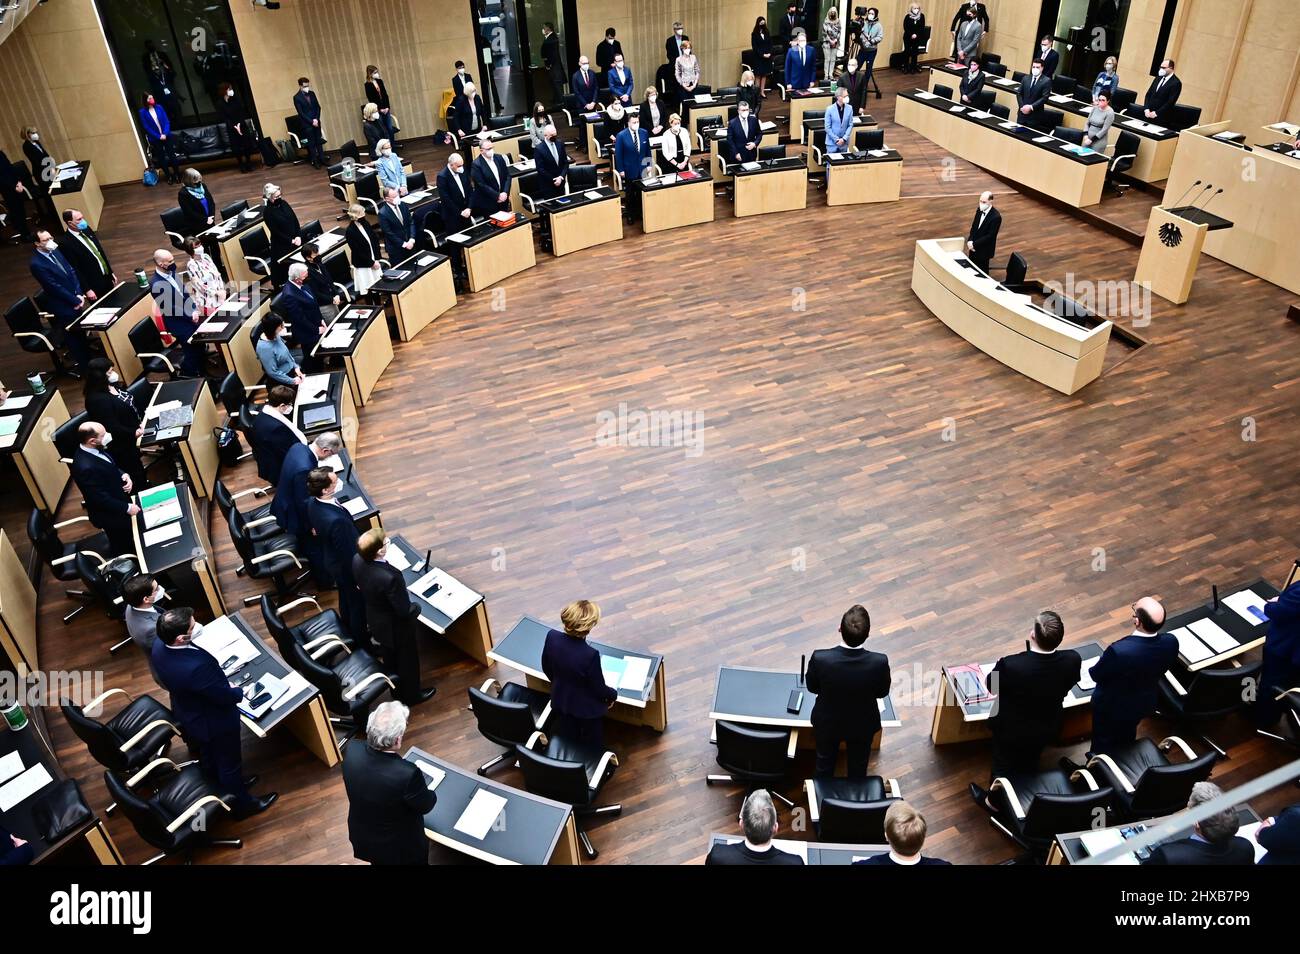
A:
[83,250]
[971,8]
[64,297]
[302,310]
[398,225]
[337,536]
[586,88]
[105,487]
[553,61]
[673,45]
[1049,57]
[839,123]
[632,160]
[390,613]
[1162,95]
[982,242]
[309,116]
[274,433]
[142,594]
[743,136]
[490,175]
[800,66]
[620,81]
[972,83]
[967,36]
[180,312]
[1031,99]
[455,193]
[552,164]
[207,707]
[608,51]
[461,77]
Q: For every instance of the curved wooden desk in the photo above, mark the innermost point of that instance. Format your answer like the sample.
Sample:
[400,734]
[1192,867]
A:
[1002,324]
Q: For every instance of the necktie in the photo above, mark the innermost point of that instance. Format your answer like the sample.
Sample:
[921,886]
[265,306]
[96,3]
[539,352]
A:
[94,249]
[493,166]
[57,261]
[554,154]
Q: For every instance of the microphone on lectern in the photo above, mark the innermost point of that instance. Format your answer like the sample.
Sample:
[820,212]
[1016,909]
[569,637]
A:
[1179,203]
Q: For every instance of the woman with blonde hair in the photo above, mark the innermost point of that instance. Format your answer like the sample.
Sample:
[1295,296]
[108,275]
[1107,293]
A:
[376,92]
[579,695]
[654,114]
[206,285]
[831,40]
[748,92]
[363,247]
[372,127]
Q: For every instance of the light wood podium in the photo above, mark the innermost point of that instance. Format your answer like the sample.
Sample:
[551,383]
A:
[17,611]
[1170,253]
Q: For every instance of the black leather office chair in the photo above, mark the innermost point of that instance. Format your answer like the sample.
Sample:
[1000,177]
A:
[1000,111]
[258,521]
[65,437]
[990,58]
[310,231]
[293,125]
[141,731]
[851,811]
[32,334]
[417,182]
[996,69]
[1082,92]
[754,758]
[350,681]
[984,99]
[1126,148]
[1288,699]
[1123,99]
[582,177]
[1197,697]
[256,249]
[1069,134]
[868,139]
[770,152]
[941,90]
[155,357]
[234,209]
[180,813]
[1018,76]
[173,222]
[350,150]
[1063,85]
[1033,808]
[1146,783]
[502,121]
[269,558]
[103,581]
[569,772]
[1182,116]
[368,194]
[508,718]
[43,533]
[1050,119]
[320,634]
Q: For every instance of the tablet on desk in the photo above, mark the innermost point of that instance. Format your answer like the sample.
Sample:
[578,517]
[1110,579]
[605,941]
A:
[314,416]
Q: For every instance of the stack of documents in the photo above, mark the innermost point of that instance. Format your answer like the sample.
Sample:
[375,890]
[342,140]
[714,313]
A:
[925,94]
[1247,604]
[160,504]
[211,327]
[261,694]
[411,199]
[625,673]
[22,785]
[99,317]
[339,336]
[480,814]
[445,593]
[226,643]
[17,403]
[434,774]
[327,240]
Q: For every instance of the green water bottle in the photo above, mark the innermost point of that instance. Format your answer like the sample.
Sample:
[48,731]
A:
[15,717]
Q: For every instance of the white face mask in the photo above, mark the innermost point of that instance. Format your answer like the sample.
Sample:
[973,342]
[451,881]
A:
[36,137]
[388,152]
[853,67]
[652,97]
[871,16]
[376,76]
[196,632]
[159,594]
[1046,47]
[51,245]
[306,89]
[230,94]
[113,377]
[1036,71]
[618,64]
[106,439]
[675,127]
[460,72]
[1163,71]
[985,206]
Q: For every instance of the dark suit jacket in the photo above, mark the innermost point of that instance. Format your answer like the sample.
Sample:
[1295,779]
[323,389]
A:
[632,157]
[90,273]
[857,85]
[486,188]
[453,201]
[458,84]
[196,217]
[738,135]
[738,853]
[1189,851]
[605,53]
[271,442]
[969,86]
[1050,62]
[981,14]
[847,683]
[398,227]
[289,505]
[282,223]
[389,608]
[1160,100]
[373,133]
[174,303]
[1282,838]
[985,236]
[388,798]
[363,253]
[577,686]
[585,92]
[59,281]
[100,484]
[337,536]
[1128,673]
[376,92]
[548,168]
[39,160]
[202,698]
[550,52]
[119,418]
[1033,93]
[1030,688]
[308,108]
[464,117]
[302,311]
[673,47]
[9,855]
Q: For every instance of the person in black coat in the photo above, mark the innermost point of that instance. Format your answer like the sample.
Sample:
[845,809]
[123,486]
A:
[847,680]
[982,241]
[43,168]
[1127,676]
[286,232]
[914,37]
[14,850]
[303,313]
[552,165]
[239,126]
[981,14]
[1161,97]
[760,41]
[398,225]
[307,106]
[758,820]
[1031,98]
[579,695]
[971,83]
[274,432]
[388,796]
[363,248]
[105,487]
[553,60]
[1281,655]
[490,175]
[1280,837]
[337,536]
[206,706]
[1214,840]
[85,252]
[455,195]
[468,114]
[117,411]
[197,203]
[390,614]
[376,92]
[15,196]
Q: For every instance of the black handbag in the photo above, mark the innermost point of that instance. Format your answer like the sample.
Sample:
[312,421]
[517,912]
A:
[61,810]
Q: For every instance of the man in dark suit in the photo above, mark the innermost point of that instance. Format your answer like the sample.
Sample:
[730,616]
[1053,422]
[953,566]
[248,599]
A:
[274,433]
[585,86]
[468,112]
[388,796]
[105,487]
[180,312]
[789,24]
[847,680]
[633,162]
[490,176]
[207,707]
[289,506]
[979,9]
[1281,655]
[800,66]
[308,108]
[398,225]
[302,312]
[1127,676]
[743,136]
[674,44]
[553,60]
[758,820]
[390,614]
[83,250]
[455,192]
[337,535]
[982,242]
[1050,58]
[461,78]
[552,164]
[1214,841]
[1162,95]
[1031,99]
[856,82]
[1280,837]
[905,831]
[63,294]
[1030,688]
[606,50]
[16,195]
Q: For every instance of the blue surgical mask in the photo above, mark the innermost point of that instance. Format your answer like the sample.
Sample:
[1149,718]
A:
[83,225]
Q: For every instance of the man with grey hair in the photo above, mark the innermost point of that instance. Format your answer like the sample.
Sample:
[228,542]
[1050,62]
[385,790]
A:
[388,796]
[982,242]
[181,314]
[1214,840]
[302,312]
[398,225]
[289,506]
[759,822]
[552,165]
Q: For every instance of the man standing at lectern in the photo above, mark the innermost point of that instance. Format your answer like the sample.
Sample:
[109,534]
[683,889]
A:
[983,239]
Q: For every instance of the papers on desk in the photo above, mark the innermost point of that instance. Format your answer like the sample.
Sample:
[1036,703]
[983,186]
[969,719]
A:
[480,814]
[414,197]
[1095,842]
[1003,81]
[169,531]
[1229,136]
[1008,125]
[226,643]
[25,784]
[261,695]
[1042,139]
[334,462]
[445,593]
[458,237]
[99,317]
[70,164]
[1213,635]
[1077,150]
[749,165]
[340,336]
[1247,604]
[636,671]
[1191,648]
[1086,682]
[396,557]
[979,114]
[434,774]
[767,126]
[703,97]
[295,682]
[356,505]
[592,194]
[1251,834]
[9,424]
[525,165]
[67,174]
[312,385]
[502,217]
[327,240]
[212,327]
[1294,154]
[1145,127]
[957,109]
[153,410]
[160,504]
[426,260]
[10,766]
[833,156]
[925,94]
[1060,98]
[17,403]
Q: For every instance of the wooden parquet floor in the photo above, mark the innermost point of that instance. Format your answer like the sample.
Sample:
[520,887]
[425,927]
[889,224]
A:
[824,479]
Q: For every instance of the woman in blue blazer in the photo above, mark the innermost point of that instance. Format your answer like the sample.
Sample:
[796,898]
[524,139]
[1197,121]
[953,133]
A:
[153,118]
[579,695]
[1107,80]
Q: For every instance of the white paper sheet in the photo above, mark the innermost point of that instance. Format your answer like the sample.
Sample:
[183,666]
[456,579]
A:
[10,766]
[480,814]
[17,403]
[635,674]
[1240,603]
[396,557]
[356,505]
[25,784]
[434,774]
[1213,635]
[1193,649]
[161,534]
[212,327]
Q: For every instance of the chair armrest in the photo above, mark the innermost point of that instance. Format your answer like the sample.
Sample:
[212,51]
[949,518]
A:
[339,192]
[351,694]
[96,704]
[323,639]
[891,785]
[792,744]
[433,238]
[62,560]
[1175,684]
[810,792]
[817,155]
[598,774]
[544,717]
[67,523]
[371,204]
[1086,777]
[1004,784]
[1109,762]
[299,602]
[259,521]
[245,493]
[536,737]
[136,739]
[528,202]
[1118,158]
[34,334]
[783,90]
[722,164]
[144,772]
[254,260]
[175,236]
[297,143]
[618,180]
[1167,744]
[194,809]
[568,116]
[276,553]
[699,141]
[162,357]
[488,684]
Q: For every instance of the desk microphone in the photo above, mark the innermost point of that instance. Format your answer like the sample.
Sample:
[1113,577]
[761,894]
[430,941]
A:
[1179,203]
[1200,195]
[801,668]
[428,558]
[1214,598]
[347,474]
[1209,200]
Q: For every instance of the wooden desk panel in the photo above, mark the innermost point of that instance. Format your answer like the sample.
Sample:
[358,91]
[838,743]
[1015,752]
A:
[675,206]
[593,223]
[89,199]
[499,257]
[859,182]
[764,192]
[38,461]
[17,610]
[417,305]
[371,355]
